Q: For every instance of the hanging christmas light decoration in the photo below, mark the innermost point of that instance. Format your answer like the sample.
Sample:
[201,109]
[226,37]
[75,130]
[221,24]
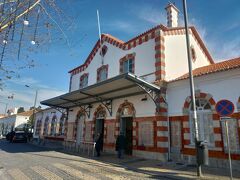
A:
[25,27]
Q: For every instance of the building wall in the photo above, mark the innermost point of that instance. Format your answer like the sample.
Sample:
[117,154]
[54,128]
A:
[213,87]
[40,126]
[21,121]
[144,62]
[176,55]
[222,85]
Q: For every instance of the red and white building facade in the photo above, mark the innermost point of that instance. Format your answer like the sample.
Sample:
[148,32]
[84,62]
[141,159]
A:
[155,125]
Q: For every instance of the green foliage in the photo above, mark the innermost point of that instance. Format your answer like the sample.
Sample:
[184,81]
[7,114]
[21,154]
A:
[20,110]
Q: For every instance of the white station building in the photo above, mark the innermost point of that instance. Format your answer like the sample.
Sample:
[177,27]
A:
[141,87]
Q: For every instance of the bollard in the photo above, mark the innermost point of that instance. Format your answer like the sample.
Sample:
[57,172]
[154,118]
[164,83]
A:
[202,152]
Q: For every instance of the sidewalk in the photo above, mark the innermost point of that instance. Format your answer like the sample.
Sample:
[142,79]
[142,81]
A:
[162,170]
[157,169]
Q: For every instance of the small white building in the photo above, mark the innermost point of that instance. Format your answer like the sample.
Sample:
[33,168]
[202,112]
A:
[49,124]
[11,122]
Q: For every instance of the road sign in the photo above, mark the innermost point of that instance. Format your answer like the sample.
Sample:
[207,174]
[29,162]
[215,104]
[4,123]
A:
[224,108]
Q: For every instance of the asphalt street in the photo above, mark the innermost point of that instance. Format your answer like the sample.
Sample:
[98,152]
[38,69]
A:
[22,161]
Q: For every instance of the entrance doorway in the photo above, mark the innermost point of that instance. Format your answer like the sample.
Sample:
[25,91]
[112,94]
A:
[100,129]
[126,127]
[100,126]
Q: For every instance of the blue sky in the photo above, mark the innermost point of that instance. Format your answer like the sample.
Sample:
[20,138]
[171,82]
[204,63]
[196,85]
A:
[217,22]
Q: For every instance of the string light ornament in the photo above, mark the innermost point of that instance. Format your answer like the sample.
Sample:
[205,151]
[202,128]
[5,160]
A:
[25,27]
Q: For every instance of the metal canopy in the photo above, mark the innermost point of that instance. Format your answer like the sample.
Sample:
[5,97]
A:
[123,85]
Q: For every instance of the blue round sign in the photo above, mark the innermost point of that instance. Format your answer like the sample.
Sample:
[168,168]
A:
[224,107]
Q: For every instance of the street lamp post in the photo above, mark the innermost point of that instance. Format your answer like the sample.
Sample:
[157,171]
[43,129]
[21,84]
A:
[199,173]
[34,105]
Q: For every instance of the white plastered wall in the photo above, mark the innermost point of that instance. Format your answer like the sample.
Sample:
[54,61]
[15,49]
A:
[221,85]
[143,108]
[20,121]
[176,56]
[42,115]
[144,62]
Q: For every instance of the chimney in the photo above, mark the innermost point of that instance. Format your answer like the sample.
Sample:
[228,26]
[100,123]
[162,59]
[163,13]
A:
[172,15]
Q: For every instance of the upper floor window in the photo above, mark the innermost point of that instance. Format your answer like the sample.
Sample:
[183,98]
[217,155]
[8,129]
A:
[128,66]
[102,73]
[84,80]
[127,63]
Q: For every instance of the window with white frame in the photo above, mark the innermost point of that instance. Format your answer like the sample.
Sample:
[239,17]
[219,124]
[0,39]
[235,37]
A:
[204,122]
[127,63]
[128,66]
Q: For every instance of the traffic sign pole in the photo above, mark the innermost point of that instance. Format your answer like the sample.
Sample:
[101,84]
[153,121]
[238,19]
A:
[229,151]
[225,108]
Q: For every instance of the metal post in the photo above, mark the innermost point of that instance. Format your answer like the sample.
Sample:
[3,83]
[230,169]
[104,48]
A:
[229,151]
[34,106]
[199,173]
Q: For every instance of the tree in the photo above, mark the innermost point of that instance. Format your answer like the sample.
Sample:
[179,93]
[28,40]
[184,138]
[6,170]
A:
[25,27]
[20,110]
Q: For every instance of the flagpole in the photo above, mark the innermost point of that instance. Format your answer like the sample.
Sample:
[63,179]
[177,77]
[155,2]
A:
[100,38]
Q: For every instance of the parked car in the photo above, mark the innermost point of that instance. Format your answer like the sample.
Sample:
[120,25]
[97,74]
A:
[20,136]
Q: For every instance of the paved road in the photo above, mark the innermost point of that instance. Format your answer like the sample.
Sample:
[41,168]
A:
[20,161]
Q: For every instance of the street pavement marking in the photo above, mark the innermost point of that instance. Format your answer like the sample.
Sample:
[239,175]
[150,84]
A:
[46,173]
[74,172]
[17,174]
[98,170]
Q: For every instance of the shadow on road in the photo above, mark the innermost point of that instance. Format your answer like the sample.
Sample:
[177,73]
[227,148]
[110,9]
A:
[19,147]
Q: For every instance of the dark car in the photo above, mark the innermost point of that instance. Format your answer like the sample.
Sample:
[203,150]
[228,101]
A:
[20,136]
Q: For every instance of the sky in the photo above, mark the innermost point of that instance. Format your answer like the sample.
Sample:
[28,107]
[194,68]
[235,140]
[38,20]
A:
[217,21]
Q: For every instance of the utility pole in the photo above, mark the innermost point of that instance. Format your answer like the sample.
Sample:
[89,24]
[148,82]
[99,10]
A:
[199,172]
[34,105]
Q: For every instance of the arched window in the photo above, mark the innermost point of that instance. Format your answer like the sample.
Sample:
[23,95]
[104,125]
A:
[38,127]
[101,114]
[46,124]
[61,125]
[53,126]
[204,121]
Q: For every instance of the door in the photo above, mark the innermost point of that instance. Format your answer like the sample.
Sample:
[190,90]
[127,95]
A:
[176,139]
[127,128]
[100,128]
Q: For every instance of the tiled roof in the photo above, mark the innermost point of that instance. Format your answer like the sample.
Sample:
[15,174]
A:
[122,44]
[26,113]
[213,68]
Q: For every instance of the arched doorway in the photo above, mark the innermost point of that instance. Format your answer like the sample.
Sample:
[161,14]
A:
[99,123]
[125,115]
[205,108]
[80,126]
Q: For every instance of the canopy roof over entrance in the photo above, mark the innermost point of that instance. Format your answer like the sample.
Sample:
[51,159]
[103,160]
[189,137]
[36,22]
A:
[123,85]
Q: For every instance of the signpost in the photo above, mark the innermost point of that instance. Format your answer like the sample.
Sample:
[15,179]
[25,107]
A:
[224,109]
